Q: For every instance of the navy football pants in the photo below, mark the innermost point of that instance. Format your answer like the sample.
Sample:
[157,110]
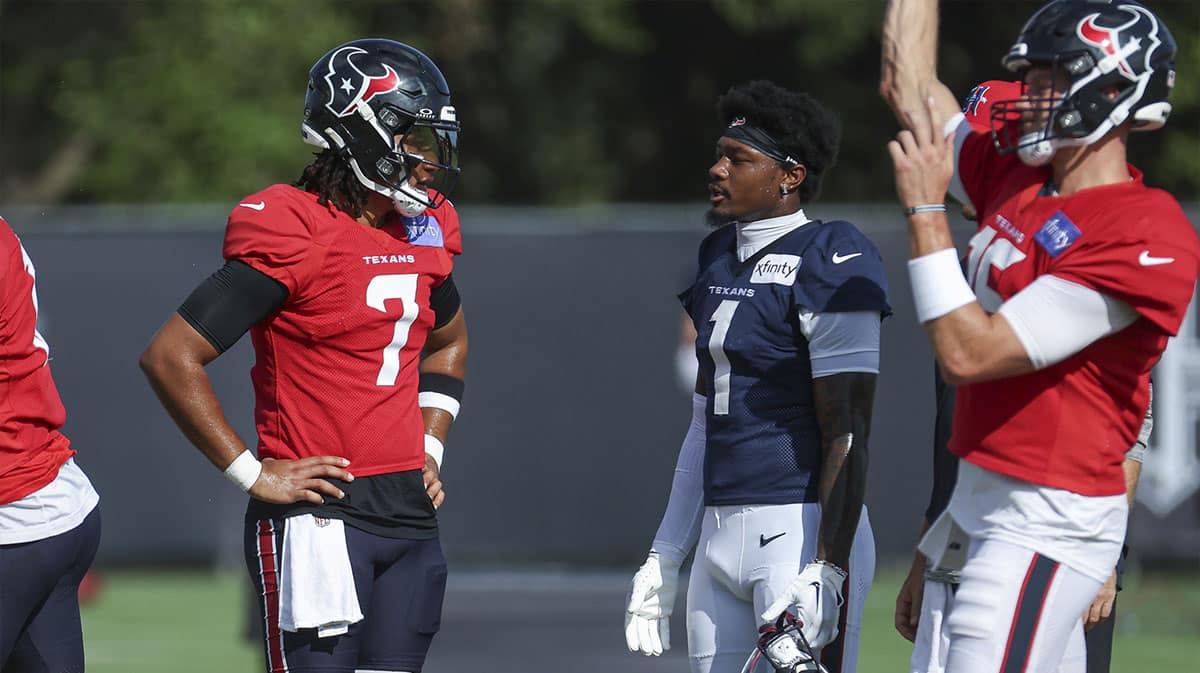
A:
[400,585]
[39,600]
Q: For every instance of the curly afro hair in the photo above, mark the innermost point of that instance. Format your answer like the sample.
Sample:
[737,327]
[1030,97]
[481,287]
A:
[803,126]
[332,179]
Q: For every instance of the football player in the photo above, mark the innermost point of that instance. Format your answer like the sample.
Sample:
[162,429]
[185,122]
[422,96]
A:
[1078,275]
[49,511]
[927,594]
[772,471]
[344,282]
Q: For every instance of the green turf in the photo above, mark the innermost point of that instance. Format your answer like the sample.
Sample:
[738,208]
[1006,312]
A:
[154,622]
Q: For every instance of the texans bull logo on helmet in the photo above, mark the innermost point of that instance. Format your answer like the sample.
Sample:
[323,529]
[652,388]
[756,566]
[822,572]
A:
[349,86]
[1108,39]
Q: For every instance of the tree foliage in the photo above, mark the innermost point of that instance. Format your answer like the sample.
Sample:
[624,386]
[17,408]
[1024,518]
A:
[562,101]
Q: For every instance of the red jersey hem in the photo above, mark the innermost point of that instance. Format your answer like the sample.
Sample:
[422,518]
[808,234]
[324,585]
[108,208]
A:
[989,462]
[58,453]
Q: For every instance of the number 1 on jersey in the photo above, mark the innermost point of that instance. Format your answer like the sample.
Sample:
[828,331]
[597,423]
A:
[716,348]
[402,286]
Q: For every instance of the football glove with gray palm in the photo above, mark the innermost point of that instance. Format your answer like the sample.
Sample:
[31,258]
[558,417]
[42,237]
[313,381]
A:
[651,600]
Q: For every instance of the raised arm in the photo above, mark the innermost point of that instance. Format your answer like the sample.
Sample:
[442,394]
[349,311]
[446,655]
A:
[909,66]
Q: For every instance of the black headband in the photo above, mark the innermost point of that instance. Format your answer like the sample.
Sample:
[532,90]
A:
[759,139]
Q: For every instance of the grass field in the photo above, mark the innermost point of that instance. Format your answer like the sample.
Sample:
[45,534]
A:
[190,622]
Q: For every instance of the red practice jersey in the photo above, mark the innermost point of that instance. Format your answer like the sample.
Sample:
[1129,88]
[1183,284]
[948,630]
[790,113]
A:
[1068,426]
[335,368]
[31,412]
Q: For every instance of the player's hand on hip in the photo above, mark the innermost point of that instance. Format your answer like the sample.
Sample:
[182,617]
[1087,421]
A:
[433,482]
[1102,605]
[908,601]
[287,481]
[651,600]
[923,159]
[817,594]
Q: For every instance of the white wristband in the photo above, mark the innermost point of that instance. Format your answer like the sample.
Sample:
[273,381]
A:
[431,400]
[435,448]
[938,284]
[244,470]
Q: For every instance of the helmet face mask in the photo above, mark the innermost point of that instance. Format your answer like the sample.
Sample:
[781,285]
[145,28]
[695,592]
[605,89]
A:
[385,107]
[1118,63]
[783,645]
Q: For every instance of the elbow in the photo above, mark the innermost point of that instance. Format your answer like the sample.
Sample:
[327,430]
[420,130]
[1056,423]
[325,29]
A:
[155,361]
[957,370]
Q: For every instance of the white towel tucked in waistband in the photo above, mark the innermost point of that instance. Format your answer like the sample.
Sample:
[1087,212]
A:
[316,584]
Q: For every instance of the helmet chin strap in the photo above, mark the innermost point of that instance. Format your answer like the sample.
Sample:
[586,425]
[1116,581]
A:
[405,204]
[1035,150]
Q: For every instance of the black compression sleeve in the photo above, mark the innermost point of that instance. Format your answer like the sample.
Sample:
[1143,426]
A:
[444,301]
[945,464]
[230,302]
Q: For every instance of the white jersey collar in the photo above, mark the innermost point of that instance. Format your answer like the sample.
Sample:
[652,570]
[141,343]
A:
[754,236]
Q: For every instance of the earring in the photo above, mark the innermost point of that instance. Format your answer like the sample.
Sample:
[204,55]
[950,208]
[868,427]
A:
[783,190]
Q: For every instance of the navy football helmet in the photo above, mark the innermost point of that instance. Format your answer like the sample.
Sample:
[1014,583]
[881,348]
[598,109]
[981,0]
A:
[1102,46]
[364,94]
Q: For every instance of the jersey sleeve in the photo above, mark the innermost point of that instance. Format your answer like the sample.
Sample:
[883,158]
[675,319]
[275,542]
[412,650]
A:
[844,274]
[447,216]
[976,166]
[1136,272]
[271,234]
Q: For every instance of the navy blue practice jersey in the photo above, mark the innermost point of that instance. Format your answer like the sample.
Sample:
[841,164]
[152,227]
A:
[763,441]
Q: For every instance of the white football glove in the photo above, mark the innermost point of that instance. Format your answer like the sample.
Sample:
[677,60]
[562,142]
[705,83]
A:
[817,594]
[651,599]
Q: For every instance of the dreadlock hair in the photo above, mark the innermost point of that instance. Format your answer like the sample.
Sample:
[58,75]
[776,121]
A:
[332,179]
[802,125]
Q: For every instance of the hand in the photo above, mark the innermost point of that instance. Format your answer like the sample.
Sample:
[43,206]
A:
[651,600]
[1102,605]
[908,601]
[286,481]
[433,483]
[923,159]
[817,594]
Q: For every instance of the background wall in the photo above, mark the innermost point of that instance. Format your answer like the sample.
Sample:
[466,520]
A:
[573,416]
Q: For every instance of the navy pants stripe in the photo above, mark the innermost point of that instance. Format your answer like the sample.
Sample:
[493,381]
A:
[1028,613]
[39,600]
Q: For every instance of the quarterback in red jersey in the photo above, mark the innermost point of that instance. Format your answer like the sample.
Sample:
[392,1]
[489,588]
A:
[49,511]
[1076,278]
[344,282]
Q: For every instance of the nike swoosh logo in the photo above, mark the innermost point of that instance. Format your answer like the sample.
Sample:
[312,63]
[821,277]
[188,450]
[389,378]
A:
[838,259]
[764,541]
[254,206]
[1146,260]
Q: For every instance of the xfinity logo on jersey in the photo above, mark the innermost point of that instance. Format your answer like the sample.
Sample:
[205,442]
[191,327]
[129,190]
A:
[1057,234]
[388,259]
[778,269]
[424,230]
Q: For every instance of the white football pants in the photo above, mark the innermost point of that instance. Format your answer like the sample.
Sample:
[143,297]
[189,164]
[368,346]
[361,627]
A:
[931,647]
[746,556]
